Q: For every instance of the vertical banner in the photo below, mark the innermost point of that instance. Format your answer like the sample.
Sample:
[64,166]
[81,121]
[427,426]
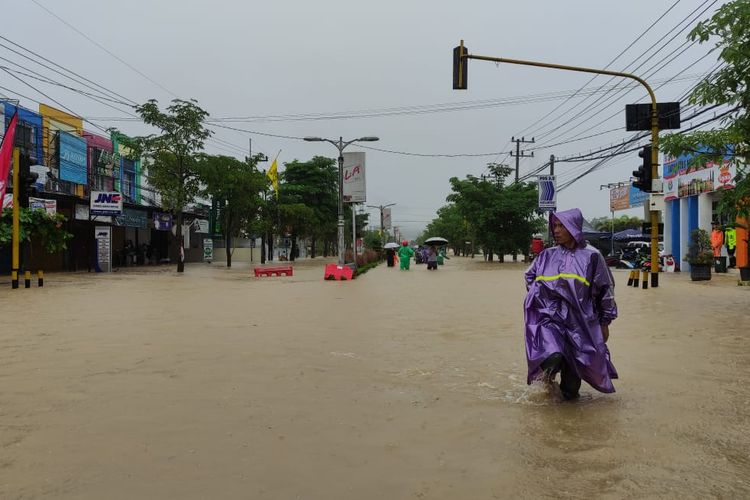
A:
[354,190]
[387,219]
[208,250]
[103,236]
[547,193]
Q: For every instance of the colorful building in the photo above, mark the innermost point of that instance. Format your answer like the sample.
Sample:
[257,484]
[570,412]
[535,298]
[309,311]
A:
[692,192]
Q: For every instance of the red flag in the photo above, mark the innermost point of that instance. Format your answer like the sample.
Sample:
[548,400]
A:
[6,153]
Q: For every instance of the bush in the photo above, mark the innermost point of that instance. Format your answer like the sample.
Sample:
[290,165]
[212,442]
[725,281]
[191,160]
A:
[365,258]
[699,250]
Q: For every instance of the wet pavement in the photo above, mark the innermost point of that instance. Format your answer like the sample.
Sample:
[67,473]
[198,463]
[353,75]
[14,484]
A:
[213,384]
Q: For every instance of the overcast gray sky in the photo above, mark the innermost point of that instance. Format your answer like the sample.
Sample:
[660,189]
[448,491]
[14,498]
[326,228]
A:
[255,59]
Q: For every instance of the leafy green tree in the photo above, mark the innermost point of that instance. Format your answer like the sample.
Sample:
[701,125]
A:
[35,225]
[729,28]
[451,225]
[503,217]
[308,201]
[620,223]
[238,185]
[173,155]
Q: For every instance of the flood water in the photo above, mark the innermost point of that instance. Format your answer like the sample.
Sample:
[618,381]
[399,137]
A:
[213,384]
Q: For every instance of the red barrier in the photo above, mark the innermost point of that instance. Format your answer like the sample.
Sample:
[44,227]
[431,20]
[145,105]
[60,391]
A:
[336,272]
[274,271]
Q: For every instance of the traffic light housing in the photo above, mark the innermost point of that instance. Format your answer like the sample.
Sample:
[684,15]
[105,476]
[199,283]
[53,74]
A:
[460,68]
[643,176]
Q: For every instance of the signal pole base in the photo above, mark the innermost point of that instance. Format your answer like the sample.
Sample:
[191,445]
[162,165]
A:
[654,280]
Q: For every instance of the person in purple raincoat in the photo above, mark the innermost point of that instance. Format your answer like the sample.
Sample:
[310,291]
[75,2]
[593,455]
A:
[568,308]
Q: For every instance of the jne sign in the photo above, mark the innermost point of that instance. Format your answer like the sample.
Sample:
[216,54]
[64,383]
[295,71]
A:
[106,203]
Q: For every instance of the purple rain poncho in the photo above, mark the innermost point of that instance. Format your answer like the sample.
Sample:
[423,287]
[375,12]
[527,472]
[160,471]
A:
[570,294]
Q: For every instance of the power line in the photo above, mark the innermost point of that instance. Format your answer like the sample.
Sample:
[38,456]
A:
[84,35]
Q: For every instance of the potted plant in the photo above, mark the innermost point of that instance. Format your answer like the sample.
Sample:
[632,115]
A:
[699,256]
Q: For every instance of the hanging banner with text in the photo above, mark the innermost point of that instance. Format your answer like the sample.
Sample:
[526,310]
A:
[354,178]
[547,193]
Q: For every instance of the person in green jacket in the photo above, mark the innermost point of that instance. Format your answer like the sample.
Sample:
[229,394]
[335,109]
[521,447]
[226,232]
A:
[730,240]
[404,255]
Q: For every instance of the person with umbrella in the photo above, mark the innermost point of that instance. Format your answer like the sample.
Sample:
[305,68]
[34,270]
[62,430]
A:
[432,258]
[390,253]
[405,253]
[567,311]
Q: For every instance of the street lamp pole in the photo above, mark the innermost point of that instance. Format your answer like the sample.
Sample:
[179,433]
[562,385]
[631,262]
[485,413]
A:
[340,145]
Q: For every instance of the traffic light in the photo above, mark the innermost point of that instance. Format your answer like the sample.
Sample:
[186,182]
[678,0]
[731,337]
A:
[460,67]
[27,187]
[644,175]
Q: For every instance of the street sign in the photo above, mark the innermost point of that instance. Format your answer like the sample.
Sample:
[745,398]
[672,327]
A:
[547,192]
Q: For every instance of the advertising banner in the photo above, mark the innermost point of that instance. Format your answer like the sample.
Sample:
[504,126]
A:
[354,178]
[162,221]
[72,158]
[103,235]
[201,226]
[208,250]
[106,203]
[619,198]
[49,206]
[684,178]
[387,219]
[82,212]
[637,197]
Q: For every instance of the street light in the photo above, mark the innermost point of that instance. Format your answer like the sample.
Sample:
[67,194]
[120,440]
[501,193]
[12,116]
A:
[340,145]
[382,226]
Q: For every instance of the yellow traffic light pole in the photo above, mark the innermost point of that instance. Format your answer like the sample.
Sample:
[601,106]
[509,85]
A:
[16,218]
[654,215]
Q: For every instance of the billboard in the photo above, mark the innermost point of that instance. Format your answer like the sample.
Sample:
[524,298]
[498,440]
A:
[72,151]
[105,203]
[387,219]
[683,177]
[354,178]
[547,193]
[619,198]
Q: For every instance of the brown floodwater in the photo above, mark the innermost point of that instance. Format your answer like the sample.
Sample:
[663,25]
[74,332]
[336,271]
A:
[213,384]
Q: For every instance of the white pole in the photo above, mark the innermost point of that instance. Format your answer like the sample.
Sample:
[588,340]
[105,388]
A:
[354,232]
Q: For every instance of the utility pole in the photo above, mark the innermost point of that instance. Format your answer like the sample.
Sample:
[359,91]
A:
[551,164]
[382,226]
[521,154]
[612,211]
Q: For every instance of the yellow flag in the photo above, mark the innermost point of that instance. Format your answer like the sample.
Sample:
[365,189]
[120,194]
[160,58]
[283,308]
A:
[273,174]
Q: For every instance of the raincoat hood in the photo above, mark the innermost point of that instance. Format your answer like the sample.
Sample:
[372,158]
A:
[573,221]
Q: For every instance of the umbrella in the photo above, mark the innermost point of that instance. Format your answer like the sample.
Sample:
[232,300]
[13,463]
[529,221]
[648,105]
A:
[436,240]
[391,244]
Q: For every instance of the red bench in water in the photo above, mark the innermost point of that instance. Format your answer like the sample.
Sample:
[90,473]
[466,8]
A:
[274,271]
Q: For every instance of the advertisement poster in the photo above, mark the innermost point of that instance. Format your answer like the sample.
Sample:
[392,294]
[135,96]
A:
[201,226]
[72,158]
[208,250]
[103,235]
[619,198]
[547,192]
[50,206]
[162,221]
[354,178]
[682,178]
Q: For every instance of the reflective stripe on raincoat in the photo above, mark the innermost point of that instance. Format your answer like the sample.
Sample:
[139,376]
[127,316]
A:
[570,294]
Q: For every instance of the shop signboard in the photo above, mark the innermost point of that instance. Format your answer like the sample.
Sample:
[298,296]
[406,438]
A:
[683,177]
[201,226]
[162,221]
[103,236]
[106,203]
[82,212]
[132,218]
[72,158]
[354,189]
[49,206]
[208,250]
[636,197]
[618,198]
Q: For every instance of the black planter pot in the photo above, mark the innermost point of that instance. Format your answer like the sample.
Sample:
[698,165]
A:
[745,273]
[700,272]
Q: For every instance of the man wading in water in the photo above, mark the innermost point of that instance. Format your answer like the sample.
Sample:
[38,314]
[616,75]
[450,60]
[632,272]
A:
[568,308]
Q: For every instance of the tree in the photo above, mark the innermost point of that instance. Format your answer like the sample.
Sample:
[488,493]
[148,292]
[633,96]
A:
[451,225]
[35,224]
[620,223]
[308,201]
[503,218]
[730,85]
[173,155]
[238,186]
